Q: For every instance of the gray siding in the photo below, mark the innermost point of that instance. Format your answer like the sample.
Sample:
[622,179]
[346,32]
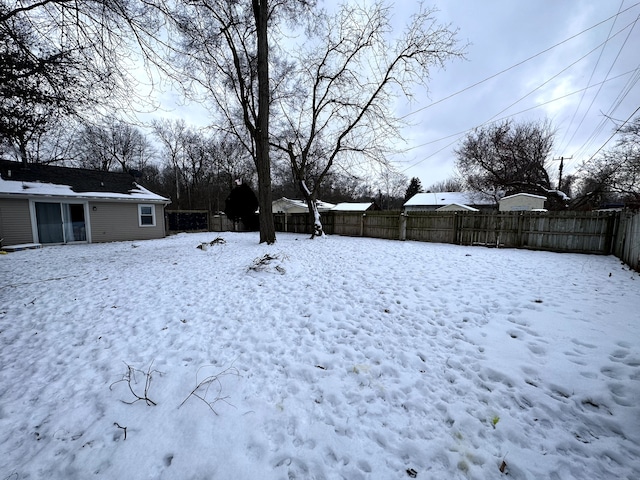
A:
[115,222]
[15,221]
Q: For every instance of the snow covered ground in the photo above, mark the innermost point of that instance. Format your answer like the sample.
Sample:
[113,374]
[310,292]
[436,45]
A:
[338,358]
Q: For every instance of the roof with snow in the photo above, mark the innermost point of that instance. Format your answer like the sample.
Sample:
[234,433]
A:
[440,199]
[353,206]
[55,181]
[303,204]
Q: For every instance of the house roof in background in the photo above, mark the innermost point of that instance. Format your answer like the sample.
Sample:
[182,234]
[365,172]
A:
[440,199]
[530,195]
[302,204]
[55,181]
[353,206]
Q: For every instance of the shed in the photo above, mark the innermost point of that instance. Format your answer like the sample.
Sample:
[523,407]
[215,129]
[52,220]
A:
[522,202]
[431,201]
[45,204]
[355,207]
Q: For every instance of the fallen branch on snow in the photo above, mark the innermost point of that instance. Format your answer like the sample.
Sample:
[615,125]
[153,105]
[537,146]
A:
[129,378]
[202,388]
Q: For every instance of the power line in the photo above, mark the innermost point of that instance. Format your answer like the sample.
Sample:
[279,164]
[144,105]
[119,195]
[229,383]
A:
[618,101]
[520,63]
[608,73]
[595,67]
[565,69]
[458,135]
[617,130]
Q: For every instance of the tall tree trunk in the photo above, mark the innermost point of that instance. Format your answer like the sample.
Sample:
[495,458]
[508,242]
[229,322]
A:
[263,163]
[22,148]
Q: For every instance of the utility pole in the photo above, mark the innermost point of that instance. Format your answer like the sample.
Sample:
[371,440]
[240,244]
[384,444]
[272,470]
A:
[560,170]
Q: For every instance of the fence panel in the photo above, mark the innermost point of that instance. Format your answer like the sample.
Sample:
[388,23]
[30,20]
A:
[221,223]
[579,232]
[292,222]
[348,223]
[431,227]
[382,225]
[187,220]
[627,246]
[480,228]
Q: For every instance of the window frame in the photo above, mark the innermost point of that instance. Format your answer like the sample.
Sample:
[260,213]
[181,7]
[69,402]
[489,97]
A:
[142,215]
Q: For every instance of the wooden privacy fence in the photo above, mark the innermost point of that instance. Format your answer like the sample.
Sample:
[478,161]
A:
[604,233]
[187,220]
[627,242]
[198,221]
[580,232]
[583,232]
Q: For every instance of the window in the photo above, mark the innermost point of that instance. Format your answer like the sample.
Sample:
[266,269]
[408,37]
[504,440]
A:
[147,215]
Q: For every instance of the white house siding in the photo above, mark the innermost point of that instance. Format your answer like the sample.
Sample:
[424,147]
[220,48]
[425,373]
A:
[15,221]
[106,216]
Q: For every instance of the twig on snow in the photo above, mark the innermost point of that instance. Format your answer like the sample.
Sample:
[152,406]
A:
[123,428]
[130,378]
[202,388]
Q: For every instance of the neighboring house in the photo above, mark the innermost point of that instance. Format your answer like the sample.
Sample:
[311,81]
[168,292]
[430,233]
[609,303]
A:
[456,207]
[44,204]
[522,202]
[431,201]
[355,207]
[287,206]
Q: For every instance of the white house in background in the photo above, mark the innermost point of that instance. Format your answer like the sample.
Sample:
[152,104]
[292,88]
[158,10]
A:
[522,202]
[286,205]
[355,207]
[432,201]
[456,207]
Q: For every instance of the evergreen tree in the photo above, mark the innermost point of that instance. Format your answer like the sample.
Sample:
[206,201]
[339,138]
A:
[414,187]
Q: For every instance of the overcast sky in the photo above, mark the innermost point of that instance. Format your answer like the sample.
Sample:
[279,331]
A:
[503,33]
[575,84]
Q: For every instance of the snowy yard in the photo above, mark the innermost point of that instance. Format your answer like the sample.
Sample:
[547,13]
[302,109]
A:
[339,358]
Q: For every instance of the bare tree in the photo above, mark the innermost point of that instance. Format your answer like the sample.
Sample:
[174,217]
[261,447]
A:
[391,189]
[506,158]
[201,164]
[339,108]
[451,184]
[172,136]
[614,175]
[223,54]
[30,87]
[115,146]
[62,58]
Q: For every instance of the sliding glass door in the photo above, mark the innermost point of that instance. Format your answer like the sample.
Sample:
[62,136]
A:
[60,222]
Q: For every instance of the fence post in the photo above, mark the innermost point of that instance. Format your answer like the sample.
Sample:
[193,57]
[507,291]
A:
[403,226]
[610,235]
[362,224]
[456,227]
[519,239]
